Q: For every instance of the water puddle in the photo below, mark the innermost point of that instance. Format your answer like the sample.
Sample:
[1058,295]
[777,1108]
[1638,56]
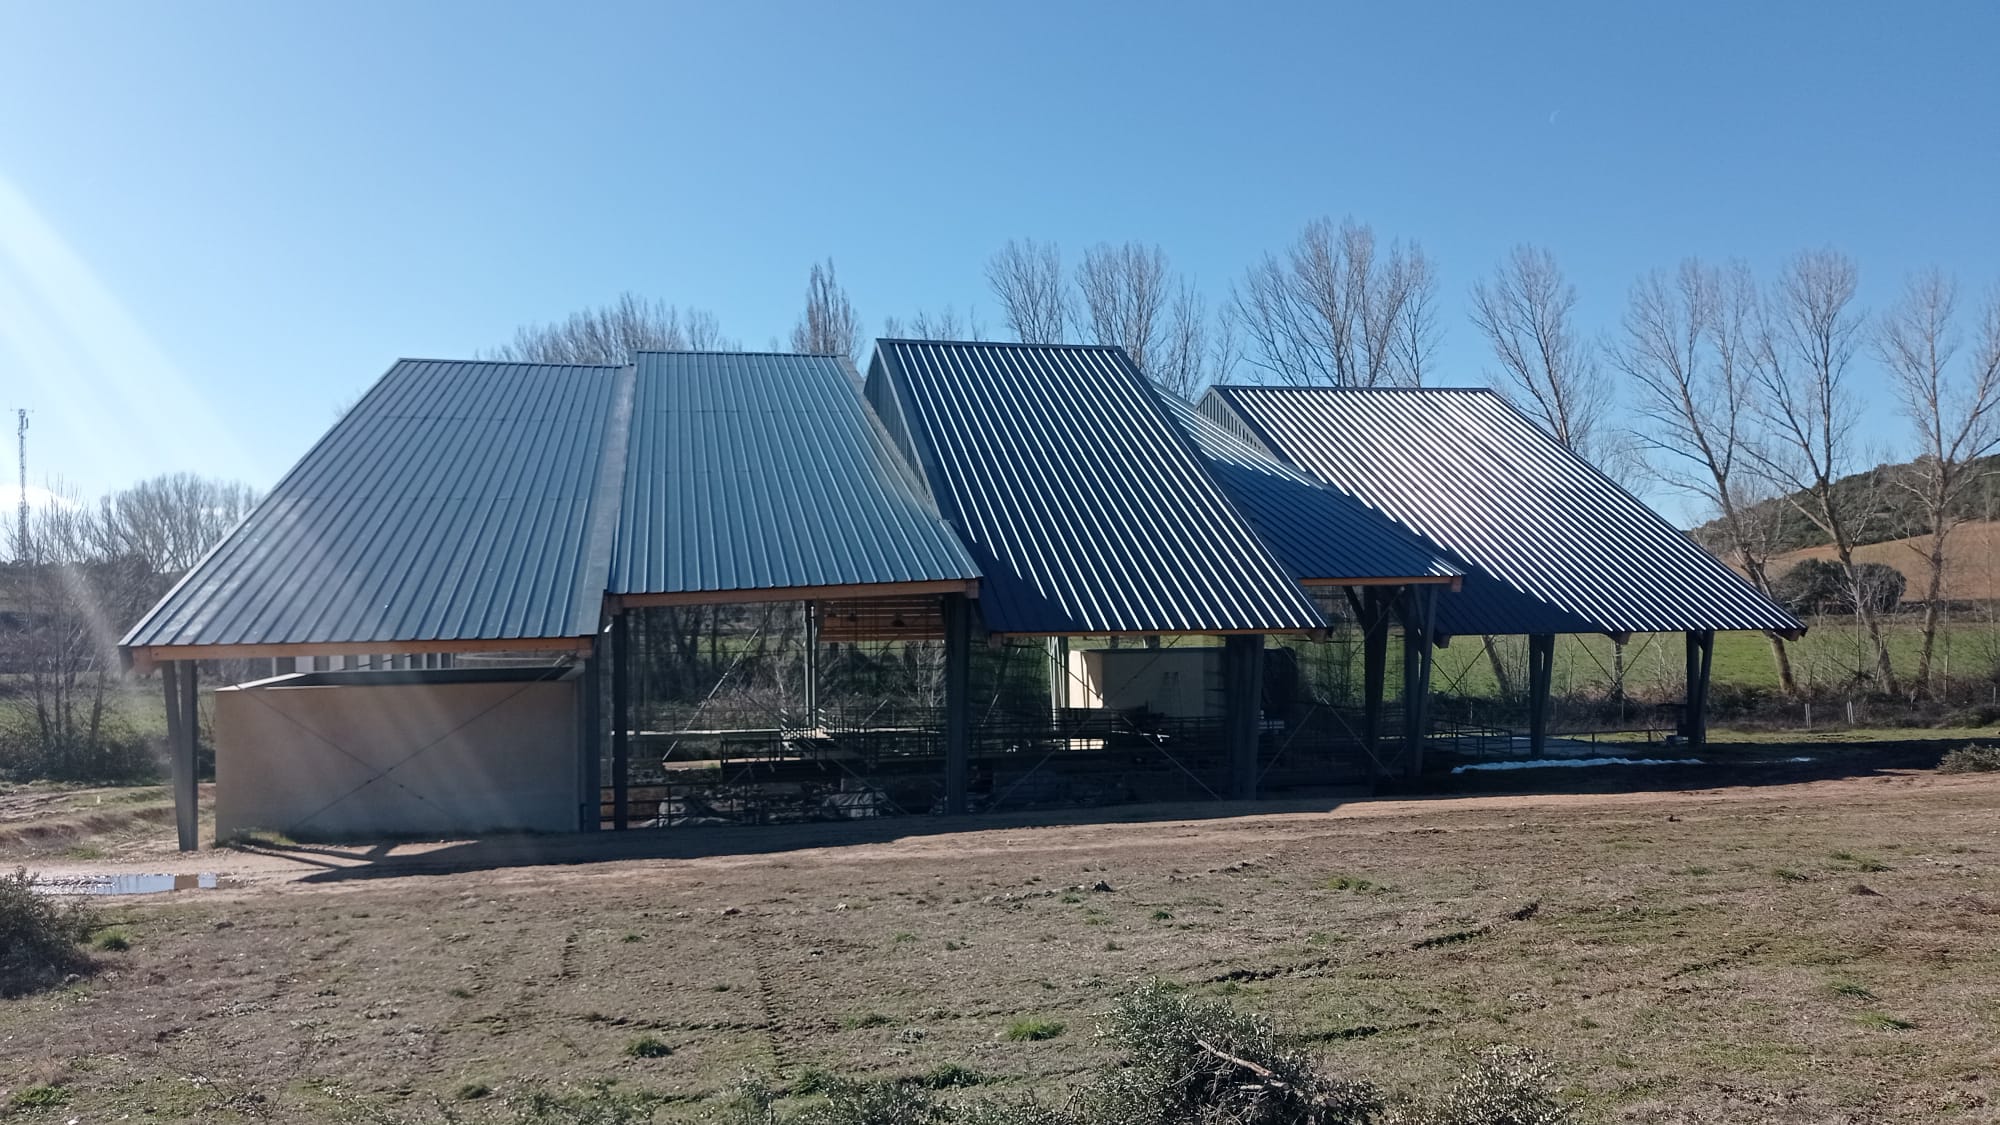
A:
[129,884]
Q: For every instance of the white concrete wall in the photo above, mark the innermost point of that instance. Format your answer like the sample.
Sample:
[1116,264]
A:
[1182,683]
[360,761]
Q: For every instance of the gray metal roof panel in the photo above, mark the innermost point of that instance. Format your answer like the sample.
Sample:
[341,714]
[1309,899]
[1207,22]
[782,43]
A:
[1086,509]
[758,471]
[1468,472]
[1319,533]
[455,501]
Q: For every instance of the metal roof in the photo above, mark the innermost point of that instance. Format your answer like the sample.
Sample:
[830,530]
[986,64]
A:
[1319,533]
[760,471]
[1085,508]
[455,501]
[1564,545]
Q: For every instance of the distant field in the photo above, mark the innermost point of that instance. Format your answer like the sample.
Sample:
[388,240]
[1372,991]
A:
[1972,567]
[1833,651]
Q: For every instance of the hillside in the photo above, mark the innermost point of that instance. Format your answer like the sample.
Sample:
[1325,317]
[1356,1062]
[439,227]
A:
[1972,568]
[1892,512]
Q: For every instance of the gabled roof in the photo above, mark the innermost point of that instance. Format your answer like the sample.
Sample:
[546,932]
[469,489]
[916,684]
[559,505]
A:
[1322,535]
[1085,508]
[1564,547]
[750,472]
[456,500]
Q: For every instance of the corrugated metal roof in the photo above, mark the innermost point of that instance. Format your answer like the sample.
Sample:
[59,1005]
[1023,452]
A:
[455,501]
[757,471]
[1087,511]
[1319,533]
[1468,472]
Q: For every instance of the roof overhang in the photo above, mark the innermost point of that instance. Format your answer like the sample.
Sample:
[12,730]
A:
[858,591]
[143,658]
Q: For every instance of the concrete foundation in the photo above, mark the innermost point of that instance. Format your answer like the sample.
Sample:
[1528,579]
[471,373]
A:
[358,755]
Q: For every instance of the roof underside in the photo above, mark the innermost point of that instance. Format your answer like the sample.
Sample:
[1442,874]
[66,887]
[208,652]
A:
[761,472]
[1085,508]
[1320,534]
[455,501]
[1554,544]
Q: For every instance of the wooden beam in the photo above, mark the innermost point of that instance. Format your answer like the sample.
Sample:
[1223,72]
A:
[1419,610]
[145,658]
[184,735]
[1452,580]
[967,587]
[1700,660]
[1374,667]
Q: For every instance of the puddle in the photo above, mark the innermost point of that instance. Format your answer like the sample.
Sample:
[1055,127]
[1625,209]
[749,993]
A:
[129,884]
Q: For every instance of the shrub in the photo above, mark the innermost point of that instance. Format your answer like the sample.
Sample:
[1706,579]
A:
[1822,586]
[1971,758]
[648,1047]
[41,938]
[1502,1086]
[1033,1029]
[1195,1060]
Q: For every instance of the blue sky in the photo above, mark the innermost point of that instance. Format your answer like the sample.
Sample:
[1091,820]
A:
[218,222]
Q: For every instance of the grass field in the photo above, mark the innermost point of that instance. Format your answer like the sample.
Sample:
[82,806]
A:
[1827,657]
[1815,952]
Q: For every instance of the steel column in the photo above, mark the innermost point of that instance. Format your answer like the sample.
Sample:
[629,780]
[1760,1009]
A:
[1242,710]
[621,721]
[178,679]
[812,665]
[1374,668]
[1700,659]
[1541,679]
[590,744]
[957,702]
[1419,611]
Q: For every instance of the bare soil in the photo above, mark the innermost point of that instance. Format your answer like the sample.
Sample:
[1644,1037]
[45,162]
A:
[1793,951]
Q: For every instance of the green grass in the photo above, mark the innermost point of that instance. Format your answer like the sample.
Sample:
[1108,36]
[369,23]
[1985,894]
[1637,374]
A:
[41,1097]
[112,940]
[1033,1029]
[863,1020]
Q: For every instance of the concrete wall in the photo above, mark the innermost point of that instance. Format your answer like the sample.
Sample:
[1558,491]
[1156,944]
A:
[1182,683]
[354,760]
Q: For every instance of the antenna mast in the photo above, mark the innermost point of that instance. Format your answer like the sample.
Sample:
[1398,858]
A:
[21,544]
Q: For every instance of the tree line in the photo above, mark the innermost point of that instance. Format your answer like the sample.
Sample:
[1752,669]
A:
[1734,390]
[79,576]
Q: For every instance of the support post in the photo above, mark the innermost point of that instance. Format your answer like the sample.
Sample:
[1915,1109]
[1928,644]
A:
[957,702]
[1419,609]
[812,665]
[590,744]
[1700,658]
[1374,668]
[1242,710]
[1541,679]
[178,680]
[621,721]
[1058,676]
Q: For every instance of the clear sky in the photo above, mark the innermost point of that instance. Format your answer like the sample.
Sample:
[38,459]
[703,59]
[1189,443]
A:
[219,222]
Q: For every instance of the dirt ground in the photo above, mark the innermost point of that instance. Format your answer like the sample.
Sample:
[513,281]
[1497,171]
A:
[1793,951]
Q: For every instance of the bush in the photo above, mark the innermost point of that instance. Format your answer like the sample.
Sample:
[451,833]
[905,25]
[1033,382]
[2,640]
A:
[1503,1086]
[1190,1060]
[1822,586]
[1971,758]
[41,938]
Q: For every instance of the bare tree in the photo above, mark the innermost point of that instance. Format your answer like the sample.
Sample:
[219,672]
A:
[171,521]
[829,325]
[1685,349]
[945,324]
[1806,339]
[1125,290]
[1525,311]
[1027,277]
[1955,410]
[1335,311]
[611,333]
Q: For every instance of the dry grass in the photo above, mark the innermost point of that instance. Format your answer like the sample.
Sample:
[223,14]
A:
[1644,944]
